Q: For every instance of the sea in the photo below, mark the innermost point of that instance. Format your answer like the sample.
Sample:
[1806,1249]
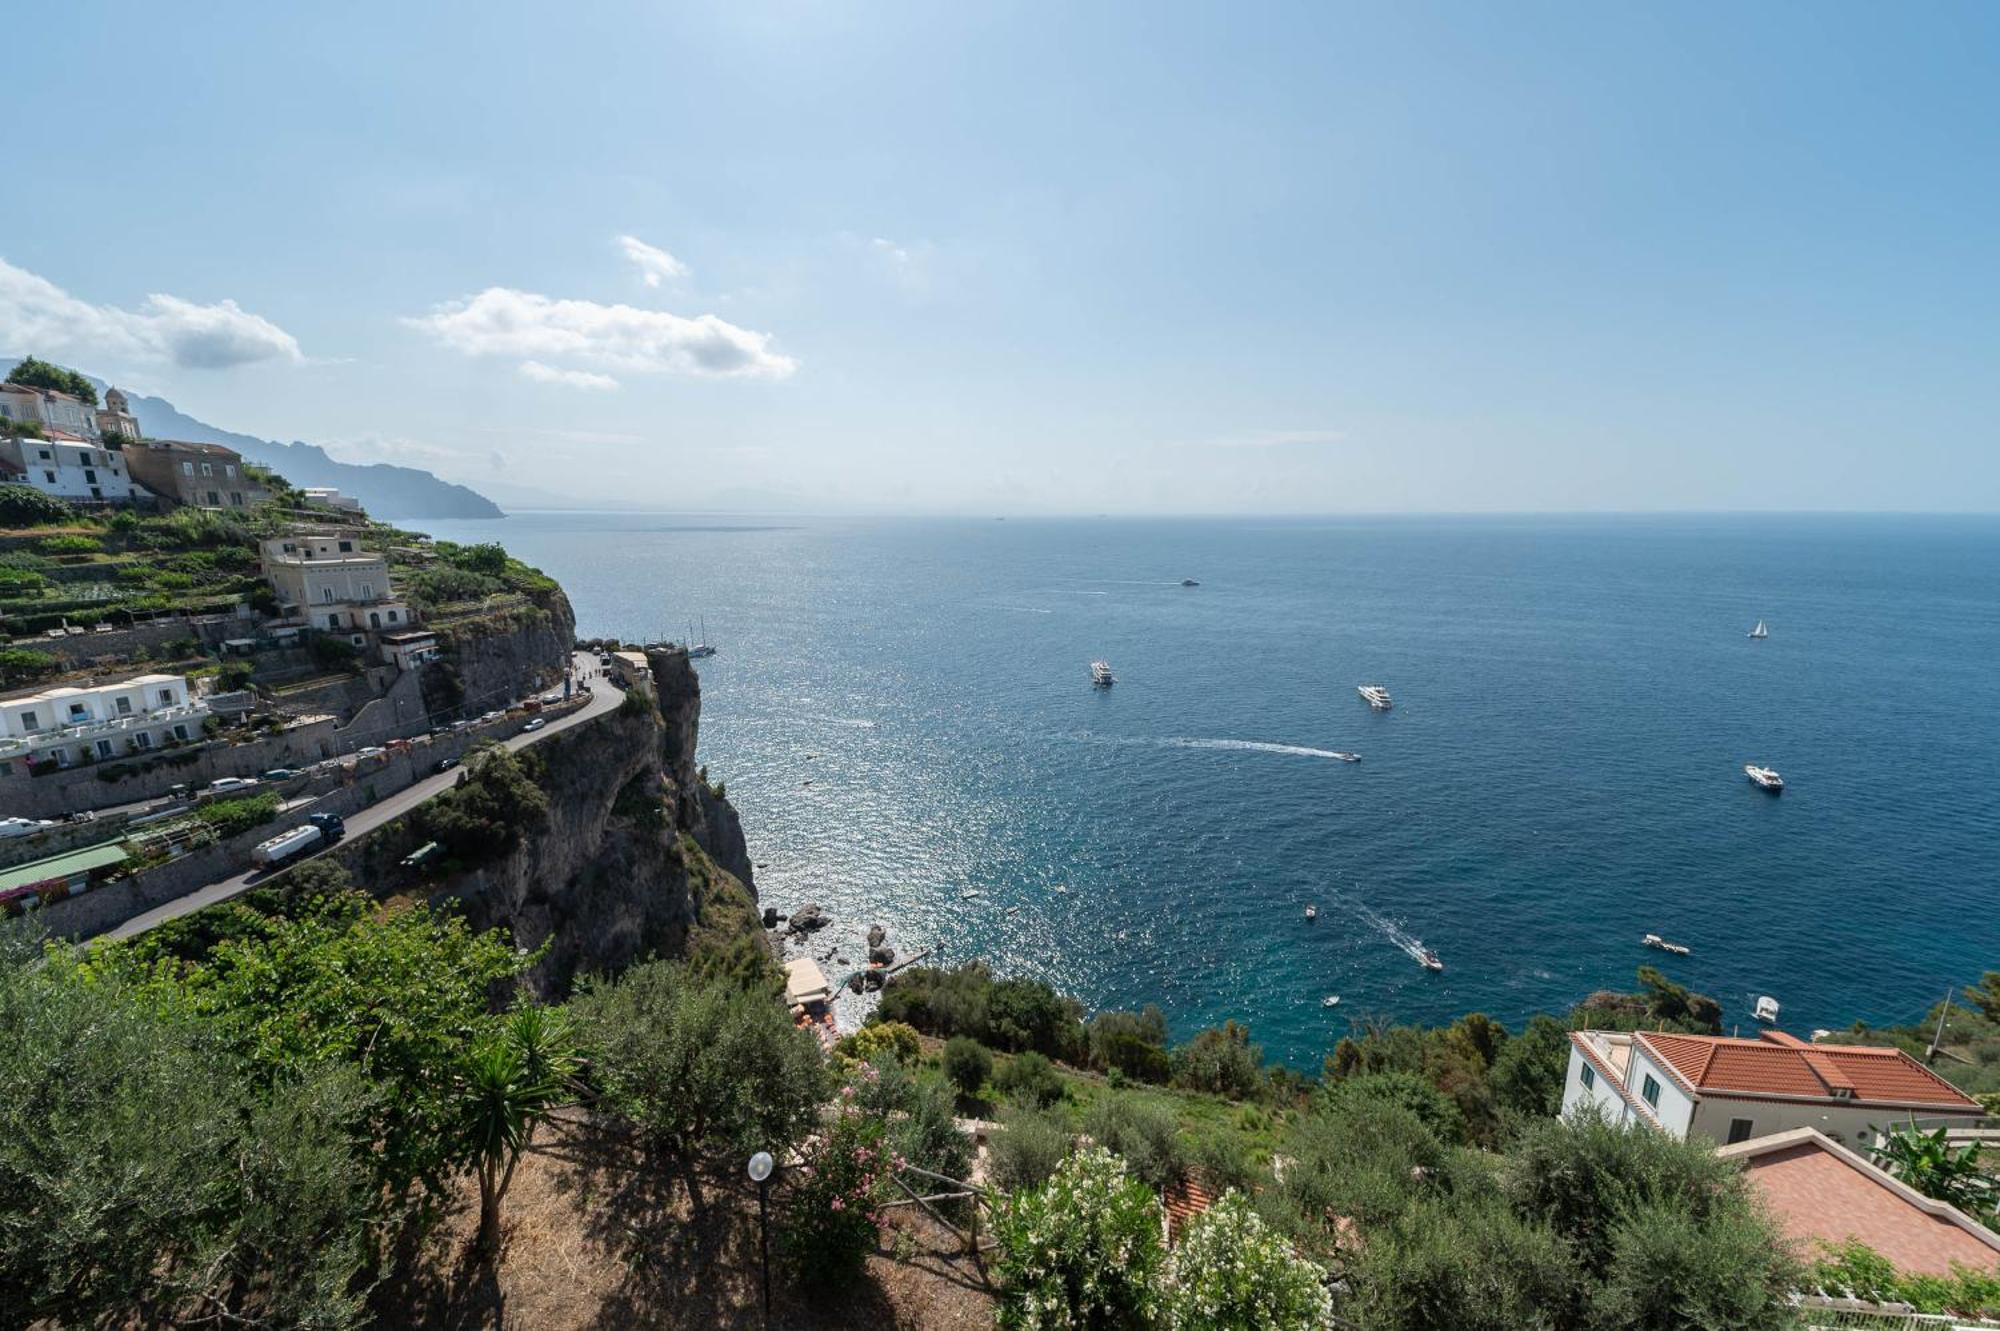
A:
[903,712]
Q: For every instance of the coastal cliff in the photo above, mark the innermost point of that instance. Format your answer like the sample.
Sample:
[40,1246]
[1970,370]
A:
[601,842]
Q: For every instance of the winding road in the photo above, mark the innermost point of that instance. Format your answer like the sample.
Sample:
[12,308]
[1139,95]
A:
[603,698]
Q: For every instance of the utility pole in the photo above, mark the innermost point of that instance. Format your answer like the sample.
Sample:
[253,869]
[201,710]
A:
[1930,1055]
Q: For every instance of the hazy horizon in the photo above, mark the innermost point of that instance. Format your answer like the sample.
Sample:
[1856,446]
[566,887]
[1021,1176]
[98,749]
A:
[1189,260]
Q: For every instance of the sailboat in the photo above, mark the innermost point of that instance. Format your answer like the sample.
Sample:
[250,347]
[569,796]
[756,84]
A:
[1760,631]
[701,648]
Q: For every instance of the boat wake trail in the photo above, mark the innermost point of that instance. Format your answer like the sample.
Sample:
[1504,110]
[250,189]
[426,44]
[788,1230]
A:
[1408,943]
[1026,609]
[1253,746]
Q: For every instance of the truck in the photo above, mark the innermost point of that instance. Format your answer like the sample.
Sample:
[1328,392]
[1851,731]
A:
[322,829]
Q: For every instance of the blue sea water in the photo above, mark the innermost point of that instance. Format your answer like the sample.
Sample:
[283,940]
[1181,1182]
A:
[902,711]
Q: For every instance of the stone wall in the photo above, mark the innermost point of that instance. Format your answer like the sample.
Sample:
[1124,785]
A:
[51,796]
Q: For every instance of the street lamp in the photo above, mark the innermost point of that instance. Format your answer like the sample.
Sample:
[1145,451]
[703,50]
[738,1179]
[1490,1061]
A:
[761,1165]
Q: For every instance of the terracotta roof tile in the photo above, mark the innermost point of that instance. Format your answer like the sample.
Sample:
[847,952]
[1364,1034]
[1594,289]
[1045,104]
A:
[1783,1065]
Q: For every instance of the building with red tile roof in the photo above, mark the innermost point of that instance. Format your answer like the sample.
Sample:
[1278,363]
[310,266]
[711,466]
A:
[1821,1193]
[1731,1090]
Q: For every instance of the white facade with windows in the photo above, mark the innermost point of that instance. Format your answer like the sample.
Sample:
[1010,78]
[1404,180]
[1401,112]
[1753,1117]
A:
[1727,1090]
[70,469]
[70,726]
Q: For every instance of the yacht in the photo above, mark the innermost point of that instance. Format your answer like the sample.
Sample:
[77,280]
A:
[1312,912]
[1100,674]
[1654,940]
[1766,1009]
[1428,959]
[1189,582]
[1331,1000]
[1375,695]
[1348,757]
[1764,777]
[700,648]
[1760,631]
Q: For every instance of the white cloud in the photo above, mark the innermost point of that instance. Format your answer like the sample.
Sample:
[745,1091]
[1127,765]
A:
[38,316]
[549,374]
[655,264]
[890,249]
[501,321]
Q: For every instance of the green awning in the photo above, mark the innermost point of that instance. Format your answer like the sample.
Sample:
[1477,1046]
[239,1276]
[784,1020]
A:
[64,866]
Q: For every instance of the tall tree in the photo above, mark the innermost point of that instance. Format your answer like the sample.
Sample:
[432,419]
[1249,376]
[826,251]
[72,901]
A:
[33,373]
[515,1078]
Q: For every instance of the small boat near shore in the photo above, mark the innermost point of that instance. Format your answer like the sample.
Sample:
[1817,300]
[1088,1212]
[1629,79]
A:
[1428,959]
[1766,1009]
[1312,913]
[1764,777]
[1331,1000]
[1654,940]
[1375,696]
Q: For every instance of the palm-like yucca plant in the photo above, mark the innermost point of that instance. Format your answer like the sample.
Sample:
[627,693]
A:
[514,1079]
[1926,1162]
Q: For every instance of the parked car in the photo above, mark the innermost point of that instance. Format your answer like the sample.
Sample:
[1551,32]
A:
[445,764]
[492,716]
[535,724]
[222,785]
[80,816]
[372,751]
[551,698]
[13,827]
[281,774]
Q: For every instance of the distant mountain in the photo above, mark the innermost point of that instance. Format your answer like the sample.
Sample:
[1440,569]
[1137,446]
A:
[385,490]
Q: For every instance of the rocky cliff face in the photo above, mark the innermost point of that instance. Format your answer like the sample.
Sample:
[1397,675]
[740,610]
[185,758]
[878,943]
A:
[490,662]
[636,858]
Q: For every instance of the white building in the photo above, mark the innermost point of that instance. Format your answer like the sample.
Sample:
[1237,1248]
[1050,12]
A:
[69,468]
[78,725]
[54,411]
[326,496]
[1730,1090]
[327,579]
[409,649]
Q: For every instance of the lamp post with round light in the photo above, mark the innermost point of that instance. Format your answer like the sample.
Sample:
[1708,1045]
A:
[761,1166]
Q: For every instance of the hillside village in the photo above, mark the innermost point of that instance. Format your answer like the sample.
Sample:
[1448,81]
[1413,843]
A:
[217,683]
[197,650]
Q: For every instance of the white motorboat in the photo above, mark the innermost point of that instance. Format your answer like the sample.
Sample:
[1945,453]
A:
[1100,674]
[1766,1009]
[1312,912]
[1331,1000]
[1761,631]
[1764,777]
[1428,959]
[1654,940]
[1347,757]
[1375,696]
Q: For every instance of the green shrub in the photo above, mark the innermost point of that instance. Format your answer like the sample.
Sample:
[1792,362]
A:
[1083,1250]
[1221,1061]
[231,817]
[967,1063]
[1027,1150]
[24,665]
[1030,1079]
[1144,1135]
[881,1037]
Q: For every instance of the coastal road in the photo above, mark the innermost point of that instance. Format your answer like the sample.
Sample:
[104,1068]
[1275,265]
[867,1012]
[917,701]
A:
[603,698]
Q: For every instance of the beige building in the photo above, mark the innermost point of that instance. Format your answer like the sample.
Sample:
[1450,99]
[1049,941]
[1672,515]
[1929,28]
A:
[326,579]
[193,475]
[115,416]
[57,413]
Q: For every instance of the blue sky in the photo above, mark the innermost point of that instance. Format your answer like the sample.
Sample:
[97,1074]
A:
[1011,258]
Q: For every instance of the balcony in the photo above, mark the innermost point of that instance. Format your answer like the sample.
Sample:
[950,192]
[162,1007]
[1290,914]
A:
[14,746]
